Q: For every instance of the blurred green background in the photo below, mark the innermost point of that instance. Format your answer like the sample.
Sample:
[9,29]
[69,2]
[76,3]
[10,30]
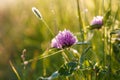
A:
[21,29]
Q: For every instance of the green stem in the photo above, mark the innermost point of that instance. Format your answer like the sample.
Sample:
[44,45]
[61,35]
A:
[95,75]
[110,54]
[80,21]
[103,9]
[91,75]
[44,67]
[104,46]
[44,56]
[15,71]
[65,57]
[47,27]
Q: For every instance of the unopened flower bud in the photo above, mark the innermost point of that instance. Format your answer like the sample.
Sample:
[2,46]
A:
[97,22]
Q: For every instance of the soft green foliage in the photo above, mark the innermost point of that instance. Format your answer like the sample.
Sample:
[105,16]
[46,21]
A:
[96,56]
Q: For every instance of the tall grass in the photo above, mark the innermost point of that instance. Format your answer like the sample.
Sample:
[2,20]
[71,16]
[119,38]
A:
[94,57]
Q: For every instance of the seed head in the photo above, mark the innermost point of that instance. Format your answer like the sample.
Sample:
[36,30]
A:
[36,12]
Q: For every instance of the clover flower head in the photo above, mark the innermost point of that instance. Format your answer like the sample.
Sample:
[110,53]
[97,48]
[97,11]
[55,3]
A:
[97,22]
[63,39]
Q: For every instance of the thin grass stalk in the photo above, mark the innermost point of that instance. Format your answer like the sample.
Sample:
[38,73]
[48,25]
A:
[103,36]
[15,71]
[40,17]
[91,75]
[47,27]
[103,9]
[110,65]
[66,59]
[110,47]
[115,16]
[110,57]
[80,21]
[43,56]
[96,76]
[44,67]
[104,46]
[110,51]
[80,26]
[104,32]
[67,78]
[77,77]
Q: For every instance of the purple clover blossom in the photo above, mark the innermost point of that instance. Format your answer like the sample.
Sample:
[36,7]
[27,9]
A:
[97,22]
[63,39]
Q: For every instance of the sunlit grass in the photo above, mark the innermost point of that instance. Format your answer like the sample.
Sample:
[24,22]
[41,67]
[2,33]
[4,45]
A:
[21,29]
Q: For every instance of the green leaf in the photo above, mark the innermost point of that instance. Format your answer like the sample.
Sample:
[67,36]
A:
[68,68]
[116,31]
[116,50]
[84,54]
[54,75]
[82,43]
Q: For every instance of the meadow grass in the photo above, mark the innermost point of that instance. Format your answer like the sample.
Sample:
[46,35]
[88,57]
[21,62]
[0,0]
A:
[96,55]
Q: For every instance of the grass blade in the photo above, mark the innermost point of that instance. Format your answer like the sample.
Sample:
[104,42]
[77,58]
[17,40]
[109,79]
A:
[15,71]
